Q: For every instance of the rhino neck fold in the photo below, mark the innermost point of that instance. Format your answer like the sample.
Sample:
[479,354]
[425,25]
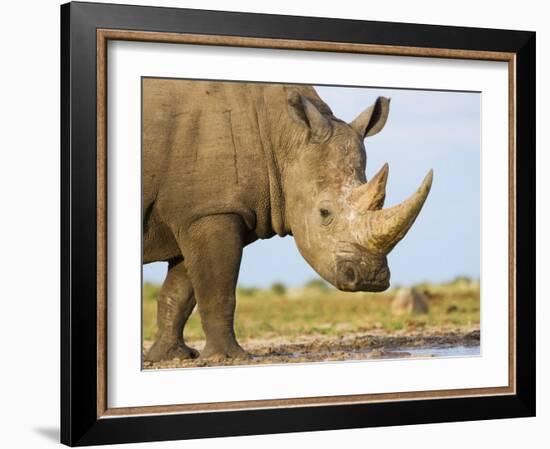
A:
[276,195]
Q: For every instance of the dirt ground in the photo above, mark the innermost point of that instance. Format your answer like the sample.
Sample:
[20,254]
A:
[323,348]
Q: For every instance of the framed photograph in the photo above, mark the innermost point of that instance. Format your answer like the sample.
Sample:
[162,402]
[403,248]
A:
[281,224]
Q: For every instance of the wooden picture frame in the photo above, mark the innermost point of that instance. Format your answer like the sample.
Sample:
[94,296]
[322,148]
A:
[86,29]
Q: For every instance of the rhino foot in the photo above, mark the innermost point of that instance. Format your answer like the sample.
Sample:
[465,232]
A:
[163,351]
[213,353]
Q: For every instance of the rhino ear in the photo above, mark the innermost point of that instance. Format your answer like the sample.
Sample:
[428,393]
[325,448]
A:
[372,120]
[305,113]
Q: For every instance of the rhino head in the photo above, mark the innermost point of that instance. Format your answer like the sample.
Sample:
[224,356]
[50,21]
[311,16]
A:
[335,215]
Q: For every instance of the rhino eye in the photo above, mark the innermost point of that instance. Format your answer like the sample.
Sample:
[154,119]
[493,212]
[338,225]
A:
[324,212]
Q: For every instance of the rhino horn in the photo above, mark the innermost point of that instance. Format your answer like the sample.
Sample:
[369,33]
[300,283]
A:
[371,195]
[386,227]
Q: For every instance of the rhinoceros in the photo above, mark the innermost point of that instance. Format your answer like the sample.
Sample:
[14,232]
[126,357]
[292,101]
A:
[227,163]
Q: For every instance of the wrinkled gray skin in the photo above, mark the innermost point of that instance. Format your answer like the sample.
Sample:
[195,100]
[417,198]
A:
[226,164]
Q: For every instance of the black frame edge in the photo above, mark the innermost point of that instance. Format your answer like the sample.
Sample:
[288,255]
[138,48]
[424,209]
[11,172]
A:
[79,422]
[232,23]
[302,419]
[78,217]
[526,222]
[65,405]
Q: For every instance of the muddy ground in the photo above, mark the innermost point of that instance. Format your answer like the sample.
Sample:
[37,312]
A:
[323,348]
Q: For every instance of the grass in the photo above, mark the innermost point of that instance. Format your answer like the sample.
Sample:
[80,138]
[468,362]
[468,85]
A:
[315,310]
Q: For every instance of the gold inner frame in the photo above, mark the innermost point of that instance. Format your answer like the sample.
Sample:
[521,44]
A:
[104,35]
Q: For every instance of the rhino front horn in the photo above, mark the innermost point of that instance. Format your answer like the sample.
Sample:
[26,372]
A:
[386,227]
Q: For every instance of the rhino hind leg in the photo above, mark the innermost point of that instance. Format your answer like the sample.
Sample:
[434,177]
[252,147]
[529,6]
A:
[213,250]
[176,301]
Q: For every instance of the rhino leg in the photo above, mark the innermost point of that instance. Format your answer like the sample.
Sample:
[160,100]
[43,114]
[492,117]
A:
[175,303]
[212,248]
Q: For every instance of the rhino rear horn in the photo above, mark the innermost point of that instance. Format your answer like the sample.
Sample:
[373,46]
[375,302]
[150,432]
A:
[371,195]
[304,112]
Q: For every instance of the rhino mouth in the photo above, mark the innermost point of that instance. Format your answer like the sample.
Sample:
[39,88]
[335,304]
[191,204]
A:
[351,277]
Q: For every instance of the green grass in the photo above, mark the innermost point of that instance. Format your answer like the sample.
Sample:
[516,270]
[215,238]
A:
[314,310]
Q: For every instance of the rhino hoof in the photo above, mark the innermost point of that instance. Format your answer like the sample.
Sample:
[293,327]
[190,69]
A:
[160,351]
[214,354]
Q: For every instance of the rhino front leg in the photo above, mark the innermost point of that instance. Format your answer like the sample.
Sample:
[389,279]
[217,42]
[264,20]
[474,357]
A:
[212,248]
[175,304]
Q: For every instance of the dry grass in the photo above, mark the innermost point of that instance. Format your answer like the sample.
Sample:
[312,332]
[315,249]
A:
[314,310]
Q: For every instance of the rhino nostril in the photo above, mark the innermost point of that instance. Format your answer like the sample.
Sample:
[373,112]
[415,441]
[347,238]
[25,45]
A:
[349,273]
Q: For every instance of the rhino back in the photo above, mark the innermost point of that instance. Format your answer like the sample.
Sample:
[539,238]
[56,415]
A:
[202,155]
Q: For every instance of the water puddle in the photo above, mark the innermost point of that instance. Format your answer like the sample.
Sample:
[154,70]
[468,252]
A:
[385,353]
[457,351]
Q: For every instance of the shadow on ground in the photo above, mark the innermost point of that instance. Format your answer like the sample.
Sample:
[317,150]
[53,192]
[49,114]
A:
[50,433]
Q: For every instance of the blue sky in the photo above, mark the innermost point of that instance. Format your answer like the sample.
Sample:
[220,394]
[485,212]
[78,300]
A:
[425,129]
